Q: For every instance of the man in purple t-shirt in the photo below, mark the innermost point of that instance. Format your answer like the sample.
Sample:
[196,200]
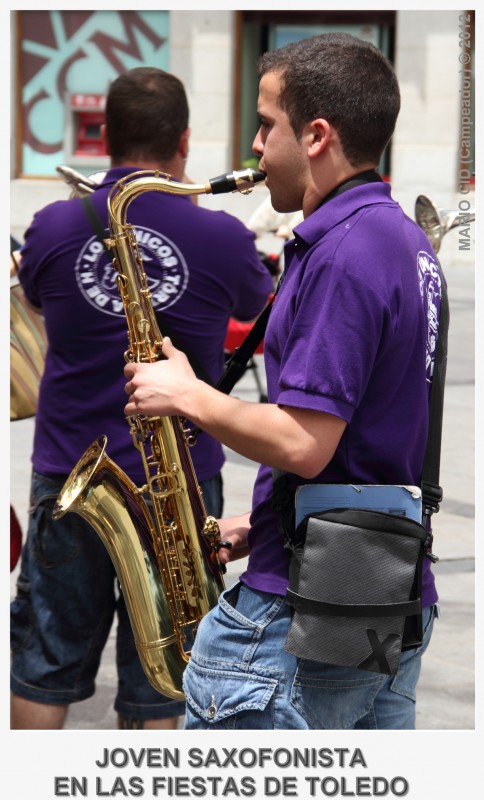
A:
[349,351]
[202,268]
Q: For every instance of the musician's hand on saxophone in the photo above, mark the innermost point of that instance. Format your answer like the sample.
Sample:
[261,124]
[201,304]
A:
[158,389]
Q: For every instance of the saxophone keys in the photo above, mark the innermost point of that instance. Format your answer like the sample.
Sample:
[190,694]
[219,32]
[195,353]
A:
[210,528]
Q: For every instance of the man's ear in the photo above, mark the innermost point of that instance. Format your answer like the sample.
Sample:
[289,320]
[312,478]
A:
[319,135]
[183,146]
[104,139]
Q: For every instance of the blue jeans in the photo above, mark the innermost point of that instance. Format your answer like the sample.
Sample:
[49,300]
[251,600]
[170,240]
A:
[65,605]
[240,677]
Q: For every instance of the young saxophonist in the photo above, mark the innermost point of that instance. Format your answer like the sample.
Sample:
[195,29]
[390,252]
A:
[348,351]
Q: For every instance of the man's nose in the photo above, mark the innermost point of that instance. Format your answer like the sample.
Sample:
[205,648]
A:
[257,146]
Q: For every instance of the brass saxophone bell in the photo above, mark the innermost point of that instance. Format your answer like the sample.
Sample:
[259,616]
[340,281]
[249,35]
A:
[436,222]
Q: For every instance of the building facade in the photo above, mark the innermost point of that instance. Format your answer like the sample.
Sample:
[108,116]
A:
[63,62]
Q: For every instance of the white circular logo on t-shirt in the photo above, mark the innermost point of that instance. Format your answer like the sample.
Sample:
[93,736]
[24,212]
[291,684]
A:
[97,278]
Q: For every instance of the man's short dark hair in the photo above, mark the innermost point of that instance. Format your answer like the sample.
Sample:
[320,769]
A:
[146,113]
[344,80]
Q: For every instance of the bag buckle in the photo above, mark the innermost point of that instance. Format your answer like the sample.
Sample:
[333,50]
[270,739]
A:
[428,548]
[432,497]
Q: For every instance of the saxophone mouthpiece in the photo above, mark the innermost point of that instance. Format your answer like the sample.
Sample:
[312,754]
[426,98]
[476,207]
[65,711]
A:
[242,181]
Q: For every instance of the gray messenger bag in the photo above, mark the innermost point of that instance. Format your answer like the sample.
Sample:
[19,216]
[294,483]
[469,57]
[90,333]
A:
[355,578]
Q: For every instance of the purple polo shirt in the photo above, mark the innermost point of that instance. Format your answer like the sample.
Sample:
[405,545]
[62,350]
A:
[202,268]
[352,333]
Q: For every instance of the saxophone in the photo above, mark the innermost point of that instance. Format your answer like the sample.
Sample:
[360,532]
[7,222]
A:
[165,558]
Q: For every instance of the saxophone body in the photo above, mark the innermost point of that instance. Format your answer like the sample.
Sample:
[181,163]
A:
[162,543]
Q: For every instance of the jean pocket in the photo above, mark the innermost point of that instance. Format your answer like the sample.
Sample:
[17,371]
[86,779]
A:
[250,607]
[333,698]
[224,697]
[230,634]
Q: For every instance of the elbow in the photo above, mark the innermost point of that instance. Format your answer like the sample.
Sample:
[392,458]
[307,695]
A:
[311,473]
[308,465]
[311,443]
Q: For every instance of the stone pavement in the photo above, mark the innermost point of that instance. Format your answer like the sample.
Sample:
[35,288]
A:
[446,690]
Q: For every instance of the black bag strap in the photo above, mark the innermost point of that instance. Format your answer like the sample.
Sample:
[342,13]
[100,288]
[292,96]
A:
[431,490]
[302,603]
[236,364]
[165,327]
[94,219]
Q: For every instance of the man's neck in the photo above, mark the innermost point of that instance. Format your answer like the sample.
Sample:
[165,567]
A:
[171,168]
[364,176]
[328,188]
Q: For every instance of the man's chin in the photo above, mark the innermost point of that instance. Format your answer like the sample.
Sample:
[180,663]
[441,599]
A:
[281,207]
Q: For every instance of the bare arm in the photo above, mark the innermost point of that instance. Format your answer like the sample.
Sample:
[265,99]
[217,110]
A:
[293,439]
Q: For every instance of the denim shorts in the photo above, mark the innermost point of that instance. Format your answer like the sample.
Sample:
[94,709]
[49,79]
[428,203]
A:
[67,597]
[240,676]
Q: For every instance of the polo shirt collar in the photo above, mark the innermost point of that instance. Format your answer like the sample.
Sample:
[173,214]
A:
[339,208]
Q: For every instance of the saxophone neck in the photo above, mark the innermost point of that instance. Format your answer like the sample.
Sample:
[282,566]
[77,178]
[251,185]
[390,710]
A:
[129,187]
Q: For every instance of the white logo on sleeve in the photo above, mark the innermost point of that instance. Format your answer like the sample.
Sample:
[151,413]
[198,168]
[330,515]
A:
[430,291]
[165,267]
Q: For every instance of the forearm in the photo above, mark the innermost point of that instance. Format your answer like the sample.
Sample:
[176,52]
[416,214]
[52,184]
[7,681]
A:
[263,432]
[248,428]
